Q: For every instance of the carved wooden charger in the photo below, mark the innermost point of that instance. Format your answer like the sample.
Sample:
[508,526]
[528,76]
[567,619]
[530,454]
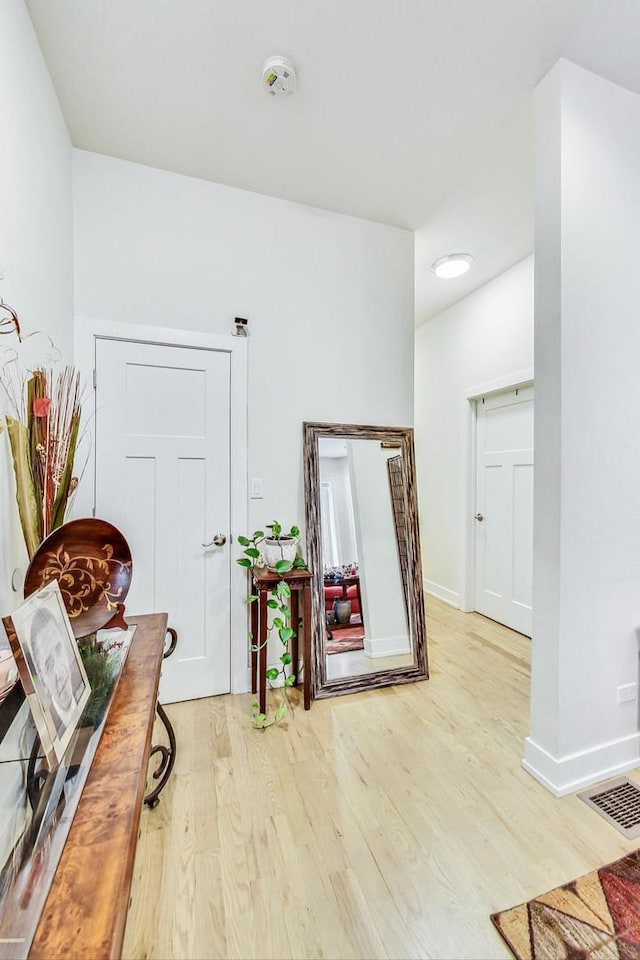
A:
[91,561]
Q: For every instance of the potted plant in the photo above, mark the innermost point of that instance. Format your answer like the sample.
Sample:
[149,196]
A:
[279,554]
[102,663]
[278,546]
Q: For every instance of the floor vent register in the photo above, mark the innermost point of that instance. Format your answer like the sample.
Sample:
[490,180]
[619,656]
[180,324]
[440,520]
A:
[618,801]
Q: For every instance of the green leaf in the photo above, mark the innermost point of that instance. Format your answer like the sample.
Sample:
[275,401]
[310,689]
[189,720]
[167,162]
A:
[255,705]
[300,564]
[244,542]
[295,531]
[283,566]
[276,528]
[252,598]
[244,562]
[286,658]
[278,622]
[272,673]
[252,552]
[285,634]
[290,680]
[273,604]
[258,534]
[260,717]
[284,590]
[280,713]
[284,610]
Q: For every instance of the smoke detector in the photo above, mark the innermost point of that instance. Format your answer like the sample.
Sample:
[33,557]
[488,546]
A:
[279,76]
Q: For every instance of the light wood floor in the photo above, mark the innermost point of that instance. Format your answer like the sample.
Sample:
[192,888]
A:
[388,824]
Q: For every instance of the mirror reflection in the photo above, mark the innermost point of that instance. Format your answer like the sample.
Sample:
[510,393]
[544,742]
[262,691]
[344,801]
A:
[363,543]
[363,537]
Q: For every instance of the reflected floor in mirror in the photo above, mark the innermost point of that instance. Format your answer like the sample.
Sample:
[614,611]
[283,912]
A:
[354,663]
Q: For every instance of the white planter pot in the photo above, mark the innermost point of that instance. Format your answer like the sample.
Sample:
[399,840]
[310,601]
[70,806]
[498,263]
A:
[283,549]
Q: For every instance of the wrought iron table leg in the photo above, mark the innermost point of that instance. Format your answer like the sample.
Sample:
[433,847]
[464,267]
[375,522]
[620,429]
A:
[167,755]
[167,760]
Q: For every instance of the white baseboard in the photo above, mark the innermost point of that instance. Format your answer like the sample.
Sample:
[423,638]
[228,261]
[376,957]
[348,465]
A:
[577,771]
[442,593]
[386,646]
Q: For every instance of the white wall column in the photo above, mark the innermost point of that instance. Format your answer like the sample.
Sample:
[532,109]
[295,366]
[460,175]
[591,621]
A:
[587,470]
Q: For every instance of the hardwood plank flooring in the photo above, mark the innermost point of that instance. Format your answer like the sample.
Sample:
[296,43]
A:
[388,824]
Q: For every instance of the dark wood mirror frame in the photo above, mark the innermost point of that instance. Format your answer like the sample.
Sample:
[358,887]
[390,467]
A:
[402,438]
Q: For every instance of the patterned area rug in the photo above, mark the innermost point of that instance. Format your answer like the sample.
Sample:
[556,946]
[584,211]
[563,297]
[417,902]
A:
[345,640]
[596,917]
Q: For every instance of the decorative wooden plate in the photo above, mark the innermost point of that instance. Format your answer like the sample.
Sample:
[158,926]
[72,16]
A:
[91,561]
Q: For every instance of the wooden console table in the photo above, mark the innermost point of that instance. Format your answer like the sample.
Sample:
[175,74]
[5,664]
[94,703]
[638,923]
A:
[86,910]
[300,582]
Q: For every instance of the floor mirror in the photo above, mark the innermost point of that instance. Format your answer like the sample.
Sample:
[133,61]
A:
[363,545]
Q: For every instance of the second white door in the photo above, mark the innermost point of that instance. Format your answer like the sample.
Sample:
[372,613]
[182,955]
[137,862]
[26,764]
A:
[162,477]
[504,508]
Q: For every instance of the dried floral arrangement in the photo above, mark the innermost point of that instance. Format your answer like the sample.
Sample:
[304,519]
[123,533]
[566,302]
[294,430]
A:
[43,422]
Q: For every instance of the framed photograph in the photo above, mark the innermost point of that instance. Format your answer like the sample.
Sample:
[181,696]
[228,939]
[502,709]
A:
[50,666]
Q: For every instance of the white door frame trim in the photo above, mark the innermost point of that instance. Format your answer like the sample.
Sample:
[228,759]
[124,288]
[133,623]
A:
[511,381]
[86,332]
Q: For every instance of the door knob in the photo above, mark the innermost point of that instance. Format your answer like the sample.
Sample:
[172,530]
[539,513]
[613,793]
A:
[479,517]
[219,541]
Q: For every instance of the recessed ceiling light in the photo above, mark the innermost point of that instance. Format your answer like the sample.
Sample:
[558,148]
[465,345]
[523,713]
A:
[452,265]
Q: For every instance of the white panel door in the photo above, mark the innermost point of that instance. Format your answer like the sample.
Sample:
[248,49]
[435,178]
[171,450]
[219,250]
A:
[162,477]
[504,508]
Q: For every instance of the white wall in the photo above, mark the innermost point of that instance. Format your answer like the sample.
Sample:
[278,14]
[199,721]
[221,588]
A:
[36,244]
[36,256]
[587,499]
[485,337]
[329,299]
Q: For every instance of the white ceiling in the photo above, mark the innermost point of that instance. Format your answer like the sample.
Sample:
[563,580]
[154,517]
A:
[416,113]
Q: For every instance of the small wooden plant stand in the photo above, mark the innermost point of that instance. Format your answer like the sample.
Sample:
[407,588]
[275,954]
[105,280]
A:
[299,581]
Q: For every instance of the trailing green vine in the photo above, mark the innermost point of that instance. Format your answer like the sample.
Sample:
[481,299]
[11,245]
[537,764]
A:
[279,602]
